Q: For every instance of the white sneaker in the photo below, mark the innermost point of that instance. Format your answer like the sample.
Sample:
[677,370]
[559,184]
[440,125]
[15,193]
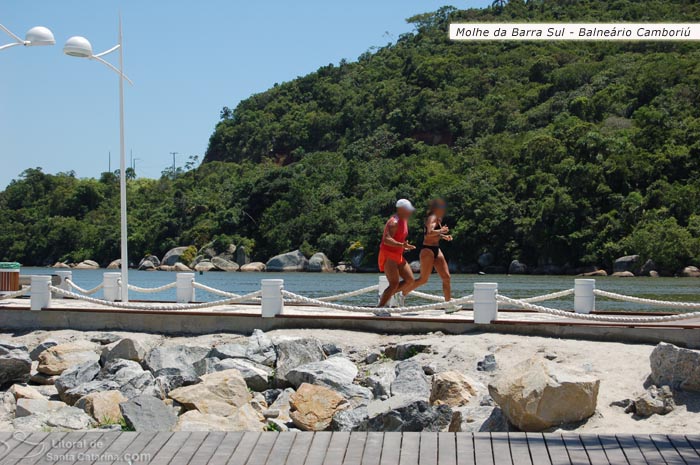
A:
[400,300]
[381,312]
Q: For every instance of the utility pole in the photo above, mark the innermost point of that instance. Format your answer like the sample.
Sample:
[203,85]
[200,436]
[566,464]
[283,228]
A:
[133,164]
[173,154]
[109,162]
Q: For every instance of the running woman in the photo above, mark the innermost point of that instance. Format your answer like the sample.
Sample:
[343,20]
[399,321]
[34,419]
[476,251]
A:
[391,259]
[430,255]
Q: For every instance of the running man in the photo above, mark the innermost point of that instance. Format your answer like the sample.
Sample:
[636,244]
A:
[391,250]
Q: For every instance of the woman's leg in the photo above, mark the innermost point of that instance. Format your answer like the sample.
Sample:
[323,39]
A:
[444,272]
[427,258]
[391,270]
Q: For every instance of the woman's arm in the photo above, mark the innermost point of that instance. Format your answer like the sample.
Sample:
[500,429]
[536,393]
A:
[430,230]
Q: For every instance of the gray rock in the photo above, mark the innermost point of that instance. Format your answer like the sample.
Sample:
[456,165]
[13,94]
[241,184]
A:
[256,376]
[42,346]
[290,261]
[104,338]
[242,257]
[147,265]
[486,259]
[517,267]
[8,405]
[379,379]
[281,404]
[351,420]
[271,395]
[405,350]
[173,256]
[690,272]
[331,349]
[8,345]
[320,263]
[146,413]
[293,353]
[676,367]
[334,372]
[487,364]
[224,351]
[131,379]
[655,400]
[71,396]
[205,265]
[127,349]
[626,263]
[480,419]
[223,264]
[372,357]
[206,365]
[176,360]
[261,349]
[66,418]
[410,381]
[411,415]
[647,268]
[74,377]
[15,366]
[26,407]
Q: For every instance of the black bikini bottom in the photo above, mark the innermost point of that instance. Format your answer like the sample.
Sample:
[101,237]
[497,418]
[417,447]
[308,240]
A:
[434,248]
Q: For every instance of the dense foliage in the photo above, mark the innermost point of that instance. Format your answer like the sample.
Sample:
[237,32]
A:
[551,153]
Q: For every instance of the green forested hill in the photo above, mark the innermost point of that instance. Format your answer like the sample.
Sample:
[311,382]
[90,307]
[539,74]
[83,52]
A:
[551,153]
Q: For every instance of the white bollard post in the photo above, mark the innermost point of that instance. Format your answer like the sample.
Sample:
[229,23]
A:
[383,284]
[485,303]
[111,290]
[63,276]
[41,292]
[584,297]
[272,301]
[185,287]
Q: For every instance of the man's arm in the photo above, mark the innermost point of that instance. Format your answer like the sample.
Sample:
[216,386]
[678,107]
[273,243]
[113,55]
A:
[389,232]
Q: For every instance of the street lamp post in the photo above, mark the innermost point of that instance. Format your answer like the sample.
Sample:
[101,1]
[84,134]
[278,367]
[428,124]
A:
[80,47]
[36,36]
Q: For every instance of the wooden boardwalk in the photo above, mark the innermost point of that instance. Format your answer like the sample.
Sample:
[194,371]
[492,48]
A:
[201,448]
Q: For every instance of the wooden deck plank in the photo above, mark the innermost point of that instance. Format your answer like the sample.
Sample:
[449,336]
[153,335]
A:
[116,448]
[372,454]
[557,449]
[263,448]
[244,448]
[280,451]
[501,448]
[538,448]
[32,444]
[666,449]
[447,449]
[689,454]
[519,452]
[228,446]
[648,448]
[465,449]
[135,448]
[594,450]
[317,451]
[337,448]
[391,449]
[149,449]
[483,452]
[208,448]
[577,453]
[91,447]
[694,441]
[61,452]
[189,448]
[428,451]
[612,449]
[355,449]
[410,449]
[300,447]
[7,443]
[166,453]
[630,448]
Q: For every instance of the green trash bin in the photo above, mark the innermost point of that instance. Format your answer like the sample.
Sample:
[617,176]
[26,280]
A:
[9,276]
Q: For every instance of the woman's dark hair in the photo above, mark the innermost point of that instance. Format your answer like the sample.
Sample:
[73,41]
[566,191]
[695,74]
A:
[433,204]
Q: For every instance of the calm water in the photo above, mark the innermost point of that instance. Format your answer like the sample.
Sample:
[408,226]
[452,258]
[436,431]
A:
[321,284]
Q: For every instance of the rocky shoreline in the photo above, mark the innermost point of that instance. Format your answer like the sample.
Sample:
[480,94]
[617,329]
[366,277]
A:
[314,380]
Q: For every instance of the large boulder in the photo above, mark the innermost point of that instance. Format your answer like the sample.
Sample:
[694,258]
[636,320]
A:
[538,394]
[57,359]
[261,349]
[290,261]
[690,272]
[242,420]
[42,346]
[220,393]
[253,267]
[129,378]
[26,407]
[627,263]
[128,348]
[406,414]
[15,366]
[242,256]
[452,388]
[74,377]
[173,256]
[313,407]
[115,265]
[181,267]
[204,266]
[676,367]
[223,264]
[22,391]
[410,381]
[148,414]
[293,353]
[486,259]
[320,263]
[61,419]
[87,265]
[647,268]
[517,267]
[256,376]
[103,406]
[178,360]
[336,373]
[147,265]
[378,378]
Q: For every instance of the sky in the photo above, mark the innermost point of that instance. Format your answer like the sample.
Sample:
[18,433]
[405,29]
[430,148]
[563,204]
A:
[187,60]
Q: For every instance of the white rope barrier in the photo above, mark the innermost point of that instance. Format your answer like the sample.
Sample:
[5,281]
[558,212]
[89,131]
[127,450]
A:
[292,297]
[552,296]
[598,317]
[152,290]
[84,291]
[423,295]
[213,290]
[640,300]
[155,306]
[13,295]
[345,295]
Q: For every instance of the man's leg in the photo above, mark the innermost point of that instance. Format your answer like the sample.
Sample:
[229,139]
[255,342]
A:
[406,275]
[391,270]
